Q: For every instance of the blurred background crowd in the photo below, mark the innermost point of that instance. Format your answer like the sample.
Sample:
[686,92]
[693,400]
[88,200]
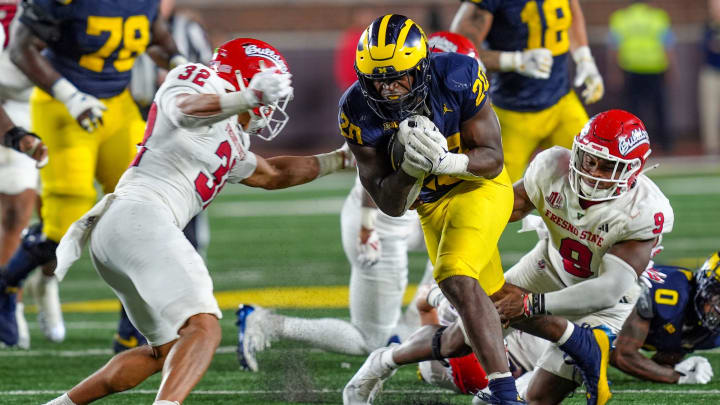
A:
[659,59]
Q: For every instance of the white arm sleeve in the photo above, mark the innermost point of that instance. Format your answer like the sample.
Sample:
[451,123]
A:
[168,103]
[614,279]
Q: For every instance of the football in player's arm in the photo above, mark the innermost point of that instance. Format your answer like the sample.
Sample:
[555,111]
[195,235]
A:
[673,318]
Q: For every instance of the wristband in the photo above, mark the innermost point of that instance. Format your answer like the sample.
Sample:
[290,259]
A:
[237,102]
[14,135]
[62,90]
[329,162]
[533,304]
[368,215]
[582,54]
[509,61]
[434,296]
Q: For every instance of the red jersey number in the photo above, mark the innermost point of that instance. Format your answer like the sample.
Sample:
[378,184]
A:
[207,192]
[576,258]
[199,77]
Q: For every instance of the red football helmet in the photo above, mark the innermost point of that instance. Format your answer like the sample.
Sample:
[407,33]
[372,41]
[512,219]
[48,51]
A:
[616,136]
[236,62]
[446,41]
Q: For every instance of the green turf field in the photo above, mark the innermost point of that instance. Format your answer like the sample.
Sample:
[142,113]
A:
[291,239]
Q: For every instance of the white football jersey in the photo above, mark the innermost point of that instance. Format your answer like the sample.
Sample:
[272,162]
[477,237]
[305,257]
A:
[185,168]
[579,237]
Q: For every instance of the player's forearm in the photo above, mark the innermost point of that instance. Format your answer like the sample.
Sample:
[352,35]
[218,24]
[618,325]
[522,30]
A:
[577,34]
[391,192]
[5,124]
[473,23]
[25,51]
[292,171]
[485,162]
[165,48]
[634,363]
[491,59]
[589,296]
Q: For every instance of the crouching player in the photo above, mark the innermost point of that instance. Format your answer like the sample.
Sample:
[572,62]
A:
[673,318]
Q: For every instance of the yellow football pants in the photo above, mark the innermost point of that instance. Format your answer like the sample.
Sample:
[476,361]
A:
[524,132]
[78,157]
[463,227]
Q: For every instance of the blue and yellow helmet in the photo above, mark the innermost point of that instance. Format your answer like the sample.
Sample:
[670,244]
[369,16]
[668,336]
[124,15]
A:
[391,47]
[707,295]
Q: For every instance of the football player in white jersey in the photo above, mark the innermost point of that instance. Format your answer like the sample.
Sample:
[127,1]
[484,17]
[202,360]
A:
[21,153]
[196,140]
[604,218]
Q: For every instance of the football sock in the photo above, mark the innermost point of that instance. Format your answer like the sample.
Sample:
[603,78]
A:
[325,333]
[163,402]
[22,263]
[576,346]
[502,385]
[62,400]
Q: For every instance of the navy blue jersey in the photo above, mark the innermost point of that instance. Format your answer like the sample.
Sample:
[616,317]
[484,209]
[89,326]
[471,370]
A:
[98,40]
[670,308]
[457,92]
[528,24]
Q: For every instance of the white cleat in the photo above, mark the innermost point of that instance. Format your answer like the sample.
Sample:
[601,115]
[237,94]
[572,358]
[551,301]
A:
[253,337]
[46,293]
[22,326]
[368,381]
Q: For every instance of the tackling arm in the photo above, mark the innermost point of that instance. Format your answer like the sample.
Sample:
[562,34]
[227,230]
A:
[628,358]
[522,205]
[389,189]
[287,171]
[620,267]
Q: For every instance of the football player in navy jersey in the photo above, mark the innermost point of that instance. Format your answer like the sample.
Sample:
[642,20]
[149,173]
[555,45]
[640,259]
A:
[79,55]
[673,319]
[529,43]
[435,105]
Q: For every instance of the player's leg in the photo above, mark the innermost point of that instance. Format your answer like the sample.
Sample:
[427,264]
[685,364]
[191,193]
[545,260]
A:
[468,267]
[15,212]
[566,120]
[165,288]
[521,134]
[546,388]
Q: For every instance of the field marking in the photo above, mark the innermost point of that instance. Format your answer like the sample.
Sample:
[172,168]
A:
[84,353]
[337,391]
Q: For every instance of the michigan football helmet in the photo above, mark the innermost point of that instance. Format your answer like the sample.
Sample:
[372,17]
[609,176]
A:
[616,136]
[707,295]
[392,47]
[236,62]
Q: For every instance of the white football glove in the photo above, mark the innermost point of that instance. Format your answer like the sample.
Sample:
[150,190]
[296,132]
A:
[536,63]
[651,275]
[269,86]
[587,72]
[432,146]
[414,164]
[695,370]
[368,253]
[84,108]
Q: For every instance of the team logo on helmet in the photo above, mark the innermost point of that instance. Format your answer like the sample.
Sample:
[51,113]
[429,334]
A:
[636,138]
[267,53]
[442,43]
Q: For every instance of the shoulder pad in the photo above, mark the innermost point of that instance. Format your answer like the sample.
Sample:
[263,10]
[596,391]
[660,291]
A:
[40,20]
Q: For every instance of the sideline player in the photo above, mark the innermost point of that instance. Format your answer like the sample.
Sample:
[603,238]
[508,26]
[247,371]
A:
[18,140]
[79,55]
[464,192]
[376,245]
[673,318]
[529,46]
[604,218]
[194,143]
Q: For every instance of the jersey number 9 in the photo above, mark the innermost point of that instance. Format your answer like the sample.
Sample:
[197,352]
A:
[133,33]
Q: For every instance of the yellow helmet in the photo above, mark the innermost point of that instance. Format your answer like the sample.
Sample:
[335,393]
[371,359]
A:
[707,295]
[391,47]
